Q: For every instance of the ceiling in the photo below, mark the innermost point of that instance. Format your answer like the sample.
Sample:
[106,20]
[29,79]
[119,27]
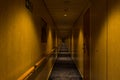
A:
[65,13]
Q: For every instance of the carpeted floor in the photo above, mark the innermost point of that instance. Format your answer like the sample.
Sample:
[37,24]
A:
[64,67]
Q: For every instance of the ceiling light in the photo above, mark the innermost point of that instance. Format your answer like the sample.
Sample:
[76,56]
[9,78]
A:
[65,15]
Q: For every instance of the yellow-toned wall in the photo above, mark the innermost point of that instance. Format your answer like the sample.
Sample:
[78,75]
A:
[59,41]
[49,41]
[72,45]
[105,40]
[113,40]
[98,45]
[80,51]
[98,41]
[20,43]
[56,40]
[68,44]
[77,44]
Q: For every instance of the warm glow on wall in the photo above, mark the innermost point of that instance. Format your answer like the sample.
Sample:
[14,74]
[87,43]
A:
[49,41]
[80,51]
[19,43]
[72,45]
[114,43]
[77,45]
[20,39]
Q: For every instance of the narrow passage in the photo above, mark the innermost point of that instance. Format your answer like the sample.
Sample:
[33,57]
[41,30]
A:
[64,67]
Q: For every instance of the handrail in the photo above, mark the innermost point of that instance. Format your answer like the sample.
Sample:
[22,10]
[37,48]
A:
[28,72]
[33,68]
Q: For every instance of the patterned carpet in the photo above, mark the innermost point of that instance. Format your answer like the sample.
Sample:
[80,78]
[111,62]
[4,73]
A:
[64,68]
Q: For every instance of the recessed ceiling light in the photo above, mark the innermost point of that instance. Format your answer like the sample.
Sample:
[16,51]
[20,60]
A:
[65,15]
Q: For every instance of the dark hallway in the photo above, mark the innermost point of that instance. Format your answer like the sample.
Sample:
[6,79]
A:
[64,67]
[32,33]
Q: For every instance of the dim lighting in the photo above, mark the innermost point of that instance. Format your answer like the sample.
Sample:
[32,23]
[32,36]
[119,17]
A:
[29,5]
[66,11]
[65,15]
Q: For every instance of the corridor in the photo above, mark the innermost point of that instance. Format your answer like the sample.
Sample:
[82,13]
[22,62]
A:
[59,39]
[64,67]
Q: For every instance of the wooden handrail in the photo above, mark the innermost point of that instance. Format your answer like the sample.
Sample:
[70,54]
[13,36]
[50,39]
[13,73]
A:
[28,72]
[33,68]
[40,61]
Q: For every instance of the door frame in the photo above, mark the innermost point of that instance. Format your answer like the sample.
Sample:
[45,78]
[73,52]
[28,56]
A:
[86,44]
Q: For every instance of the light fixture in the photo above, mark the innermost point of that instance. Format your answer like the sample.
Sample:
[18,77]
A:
[66,10]
[65,15]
